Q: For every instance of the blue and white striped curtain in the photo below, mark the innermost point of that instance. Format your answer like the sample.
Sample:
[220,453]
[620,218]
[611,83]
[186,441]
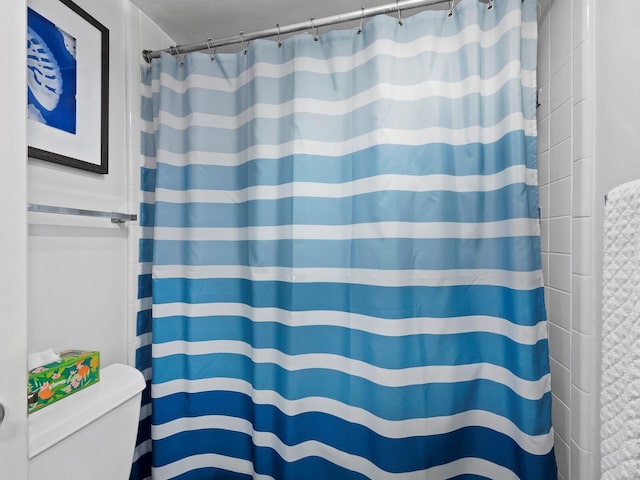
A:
[340,261]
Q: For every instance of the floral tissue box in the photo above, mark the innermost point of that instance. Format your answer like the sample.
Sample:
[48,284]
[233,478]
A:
[49,383]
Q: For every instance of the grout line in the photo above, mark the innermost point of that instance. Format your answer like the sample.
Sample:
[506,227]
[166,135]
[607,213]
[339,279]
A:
[560,400]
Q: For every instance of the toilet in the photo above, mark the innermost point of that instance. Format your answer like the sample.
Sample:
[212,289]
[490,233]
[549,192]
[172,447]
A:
[92,433]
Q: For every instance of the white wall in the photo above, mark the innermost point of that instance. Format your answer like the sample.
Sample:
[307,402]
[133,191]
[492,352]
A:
[568,200]
[77,275]
[82,273]
[13,234]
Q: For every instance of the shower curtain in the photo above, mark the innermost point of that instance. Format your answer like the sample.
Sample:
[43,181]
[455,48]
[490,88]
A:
[340,269]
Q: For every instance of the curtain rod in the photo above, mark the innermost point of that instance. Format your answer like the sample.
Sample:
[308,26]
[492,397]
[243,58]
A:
[397,6]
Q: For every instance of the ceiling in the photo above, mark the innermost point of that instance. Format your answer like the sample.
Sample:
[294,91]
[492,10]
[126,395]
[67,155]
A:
[193,21]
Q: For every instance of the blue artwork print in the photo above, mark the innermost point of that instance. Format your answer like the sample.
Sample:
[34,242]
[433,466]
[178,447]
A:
[51,74]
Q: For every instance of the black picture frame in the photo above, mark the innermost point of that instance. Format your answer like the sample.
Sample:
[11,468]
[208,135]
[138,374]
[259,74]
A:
[86,147]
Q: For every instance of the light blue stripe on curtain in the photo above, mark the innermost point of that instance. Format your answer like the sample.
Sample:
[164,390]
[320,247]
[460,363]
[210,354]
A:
[340,261]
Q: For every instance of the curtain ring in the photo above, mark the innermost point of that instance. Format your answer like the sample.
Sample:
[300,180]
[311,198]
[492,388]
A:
[361,17]
[176,53]
[490,6]
[315,34]
[211,55]
[244,45]
[399,16]
[279,42]
[452,4]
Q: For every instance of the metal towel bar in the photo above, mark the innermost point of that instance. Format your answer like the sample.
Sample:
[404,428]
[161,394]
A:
[114,216]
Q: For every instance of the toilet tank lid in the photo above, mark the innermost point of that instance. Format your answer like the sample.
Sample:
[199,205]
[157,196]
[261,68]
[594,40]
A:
[118,383]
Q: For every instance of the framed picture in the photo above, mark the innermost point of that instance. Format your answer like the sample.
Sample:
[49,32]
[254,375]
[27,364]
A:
[68,85]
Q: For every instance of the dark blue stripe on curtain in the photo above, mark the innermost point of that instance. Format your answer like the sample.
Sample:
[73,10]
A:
[423,453]
[444,398]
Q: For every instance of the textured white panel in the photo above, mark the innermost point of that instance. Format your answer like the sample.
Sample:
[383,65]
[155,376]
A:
[620,396]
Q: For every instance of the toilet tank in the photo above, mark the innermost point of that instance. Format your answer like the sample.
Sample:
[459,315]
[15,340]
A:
[92,433]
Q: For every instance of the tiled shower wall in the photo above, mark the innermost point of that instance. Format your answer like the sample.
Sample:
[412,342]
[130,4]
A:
[566,163]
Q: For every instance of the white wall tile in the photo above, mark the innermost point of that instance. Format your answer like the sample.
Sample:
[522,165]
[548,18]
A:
[560,271]
[560,198]
[560,124]
[563,456]
[582,425]
[560,160]
[543,134]
[544,53]
[543,198]
[561,419]
[582,21]
[565,60]
[581,307]
[576,20]
[543,168]
[582,129]
[560,16]
[560,44]
[581,463]
[582,194]
[545,275]
[560,308]
[546,288]
[582,361]
[561,84]
[583,72]
[560,235]
[544,93]
[560,381]
[582,246]
[544,235]
[559,341]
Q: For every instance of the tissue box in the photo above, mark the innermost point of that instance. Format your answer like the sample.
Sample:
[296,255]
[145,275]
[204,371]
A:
[49,383]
